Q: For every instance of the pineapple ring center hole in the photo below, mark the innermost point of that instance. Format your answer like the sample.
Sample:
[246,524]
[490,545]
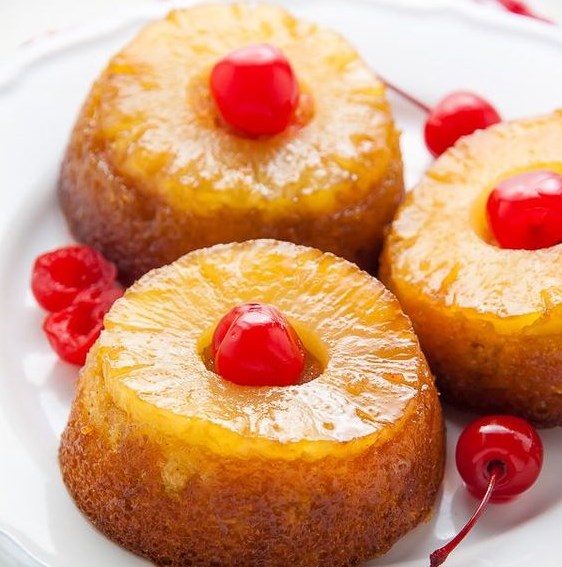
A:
[316,352]
[478,216]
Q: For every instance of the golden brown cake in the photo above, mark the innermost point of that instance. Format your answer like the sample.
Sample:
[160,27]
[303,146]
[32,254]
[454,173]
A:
[150,173]
[185,468]
[489,319]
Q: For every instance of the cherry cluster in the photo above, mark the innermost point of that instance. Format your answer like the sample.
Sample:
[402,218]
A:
[77,285]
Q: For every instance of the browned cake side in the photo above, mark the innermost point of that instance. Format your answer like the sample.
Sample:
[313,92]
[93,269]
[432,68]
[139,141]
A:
[489,319]
[486,372]
[247,512]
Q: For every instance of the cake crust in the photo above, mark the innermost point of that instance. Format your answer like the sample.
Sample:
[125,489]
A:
[336,512]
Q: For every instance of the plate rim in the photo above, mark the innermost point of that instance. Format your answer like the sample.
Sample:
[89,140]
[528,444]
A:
[15,66]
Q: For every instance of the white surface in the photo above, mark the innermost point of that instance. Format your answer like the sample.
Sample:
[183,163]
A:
[21,20]
[41,88]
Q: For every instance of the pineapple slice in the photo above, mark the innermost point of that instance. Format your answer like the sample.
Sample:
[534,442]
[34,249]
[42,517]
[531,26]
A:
[186,468]
[489,319]
[150,173]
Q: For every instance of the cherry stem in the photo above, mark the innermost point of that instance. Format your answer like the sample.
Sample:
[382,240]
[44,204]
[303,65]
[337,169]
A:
[402,93]
[439,556]
[514,6]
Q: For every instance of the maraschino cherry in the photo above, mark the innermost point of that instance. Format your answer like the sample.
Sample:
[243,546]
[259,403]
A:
[525,211]
[255,345]
[498,458]
[458,114]
[72,331]
[255,90]
[60,275]
[78,286]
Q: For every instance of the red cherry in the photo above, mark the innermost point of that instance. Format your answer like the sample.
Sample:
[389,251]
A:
[504,440]
[525,211]
[458,114]
[517,7]
[73,330]
[101,299]
[226,322]
[255,90]
[59,276]
[498,457]
[255,345]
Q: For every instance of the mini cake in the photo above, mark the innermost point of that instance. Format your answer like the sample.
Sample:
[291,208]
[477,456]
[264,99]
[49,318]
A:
[186,468]
[152,171]
[487,306]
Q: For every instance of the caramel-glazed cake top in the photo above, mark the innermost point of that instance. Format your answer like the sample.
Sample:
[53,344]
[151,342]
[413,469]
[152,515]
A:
[151,353]
[157,127]
[440,243]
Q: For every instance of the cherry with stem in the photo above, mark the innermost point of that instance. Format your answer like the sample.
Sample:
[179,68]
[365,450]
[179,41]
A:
[458,114]
[498,457]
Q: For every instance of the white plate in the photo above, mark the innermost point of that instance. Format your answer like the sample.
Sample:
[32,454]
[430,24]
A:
[513,61]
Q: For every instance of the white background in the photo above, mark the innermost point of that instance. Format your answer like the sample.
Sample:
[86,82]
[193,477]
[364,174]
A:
[21,20]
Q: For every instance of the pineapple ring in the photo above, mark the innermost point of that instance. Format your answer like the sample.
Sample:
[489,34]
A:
[489,319]
[150,173]
[337,467]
